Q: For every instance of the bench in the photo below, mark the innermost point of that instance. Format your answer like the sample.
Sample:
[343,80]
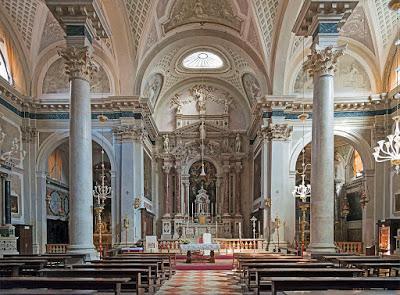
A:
[135,275]
[46,291]
[262,276]
[28,267]
[99,284]
[280,284]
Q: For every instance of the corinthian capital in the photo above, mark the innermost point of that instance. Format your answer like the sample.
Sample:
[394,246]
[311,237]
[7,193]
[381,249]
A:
[280,131]
[323,60]
[130,132]
[78,62]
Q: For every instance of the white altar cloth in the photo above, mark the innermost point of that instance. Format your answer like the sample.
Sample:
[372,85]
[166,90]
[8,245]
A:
[199,247]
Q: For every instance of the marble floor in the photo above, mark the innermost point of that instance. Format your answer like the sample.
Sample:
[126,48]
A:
[210,282]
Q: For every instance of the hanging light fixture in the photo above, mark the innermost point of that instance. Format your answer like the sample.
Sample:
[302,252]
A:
[389,149]
[303,190]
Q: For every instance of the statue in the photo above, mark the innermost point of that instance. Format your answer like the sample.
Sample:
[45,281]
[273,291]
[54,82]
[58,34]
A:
[166,143]
[201,101]
[202,130]
[238,143]
[226,107]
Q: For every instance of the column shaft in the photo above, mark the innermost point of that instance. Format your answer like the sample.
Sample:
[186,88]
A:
[81,179]
[7,201]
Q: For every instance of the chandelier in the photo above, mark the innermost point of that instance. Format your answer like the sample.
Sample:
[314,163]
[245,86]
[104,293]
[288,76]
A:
[389,149]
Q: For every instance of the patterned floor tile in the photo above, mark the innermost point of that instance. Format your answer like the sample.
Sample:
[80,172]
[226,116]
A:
[186,282]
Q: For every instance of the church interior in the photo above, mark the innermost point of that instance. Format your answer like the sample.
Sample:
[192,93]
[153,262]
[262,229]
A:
[199,147]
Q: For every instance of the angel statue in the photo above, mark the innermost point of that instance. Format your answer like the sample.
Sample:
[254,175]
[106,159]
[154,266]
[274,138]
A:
[202,130]
[238,143]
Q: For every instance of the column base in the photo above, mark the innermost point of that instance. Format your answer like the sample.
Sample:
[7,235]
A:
[321,248]
[90,252]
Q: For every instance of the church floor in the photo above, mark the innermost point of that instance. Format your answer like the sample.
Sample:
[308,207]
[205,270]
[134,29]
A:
[210,282]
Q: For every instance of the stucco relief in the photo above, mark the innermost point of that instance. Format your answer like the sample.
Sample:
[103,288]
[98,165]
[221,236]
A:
[194,11]
[52,33]
[349,77]
[56,80]
[251,87]
[200,98]
[153,87]
[357,28]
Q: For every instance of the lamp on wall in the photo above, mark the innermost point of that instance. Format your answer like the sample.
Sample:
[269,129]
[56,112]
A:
[389,149]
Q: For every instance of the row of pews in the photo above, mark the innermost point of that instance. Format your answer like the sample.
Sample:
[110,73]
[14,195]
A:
[133,273]
[290,274]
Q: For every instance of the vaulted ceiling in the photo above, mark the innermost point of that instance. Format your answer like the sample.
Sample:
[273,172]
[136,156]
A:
[140,28]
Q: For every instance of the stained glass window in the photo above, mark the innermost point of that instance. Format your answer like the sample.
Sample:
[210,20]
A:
[357,164]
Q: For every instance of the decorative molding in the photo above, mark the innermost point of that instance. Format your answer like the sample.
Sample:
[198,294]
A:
[323,61]
[130,132]
[78,62]
[29,134]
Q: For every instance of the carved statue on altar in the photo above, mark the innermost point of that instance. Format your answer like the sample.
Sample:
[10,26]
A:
[202,130]
[202,203]
[166,143]
[238,143]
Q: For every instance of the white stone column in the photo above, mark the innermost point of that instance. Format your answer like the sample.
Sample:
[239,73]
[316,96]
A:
[322,63]
[79,67]
[369,214]
[40,214]
[238,171]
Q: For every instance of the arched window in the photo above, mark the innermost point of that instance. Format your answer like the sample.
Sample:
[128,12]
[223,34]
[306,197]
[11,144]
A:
[357,164]
[4,65]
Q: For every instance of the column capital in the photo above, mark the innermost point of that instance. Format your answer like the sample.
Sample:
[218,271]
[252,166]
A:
[238,167]
[280,131]
[323,60]
[130,132]
[78,62]
[29,134]
[167,167]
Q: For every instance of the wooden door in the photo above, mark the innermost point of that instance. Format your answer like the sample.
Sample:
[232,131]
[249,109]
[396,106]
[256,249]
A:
[24,243]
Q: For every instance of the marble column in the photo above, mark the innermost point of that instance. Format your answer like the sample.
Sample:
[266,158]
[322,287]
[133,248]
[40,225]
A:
[322,64]
[167,189]
[225,200]
[7,201]
[185,187]
[238,171]
[178,199]
[79,67]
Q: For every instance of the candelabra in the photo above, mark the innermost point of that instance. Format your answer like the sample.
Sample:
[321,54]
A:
[100,194]
[303,223]
[277,225]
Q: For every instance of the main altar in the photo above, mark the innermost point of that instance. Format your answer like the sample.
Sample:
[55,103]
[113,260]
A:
[202,164]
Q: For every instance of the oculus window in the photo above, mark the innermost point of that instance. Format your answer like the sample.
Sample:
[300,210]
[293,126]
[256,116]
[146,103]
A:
[202,60]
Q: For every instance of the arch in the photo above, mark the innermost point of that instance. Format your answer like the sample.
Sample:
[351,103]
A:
[54,140]
[360,144]
[172,38]
[206,158]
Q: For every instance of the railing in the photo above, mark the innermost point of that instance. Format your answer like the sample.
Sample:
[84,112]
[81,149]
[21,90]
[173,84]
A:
[350,247]
[56,248]
[170,246]
[241,244]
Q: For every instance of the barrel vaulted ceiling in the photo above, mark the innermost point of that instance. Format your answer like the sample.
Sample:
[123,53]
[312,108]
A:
[265,27]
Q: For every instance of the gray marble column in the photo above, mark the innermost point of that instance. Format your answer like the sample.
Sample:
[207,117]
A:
[79,67]
[238,171]
[322,64]
[225,200]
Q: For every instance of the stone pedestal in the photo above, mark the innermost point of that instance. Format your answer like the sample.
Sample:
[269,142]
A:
[8,240]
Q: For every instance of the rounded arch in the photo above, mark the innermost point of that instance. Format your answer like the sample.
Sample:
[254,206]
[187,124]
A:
[56,139]
[172,38]
[206,158]
[360,144]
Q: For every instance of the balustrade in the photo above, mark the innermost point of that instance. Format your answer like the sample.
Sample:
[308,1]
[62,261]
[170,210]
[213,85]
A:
[56,248]
[350,247]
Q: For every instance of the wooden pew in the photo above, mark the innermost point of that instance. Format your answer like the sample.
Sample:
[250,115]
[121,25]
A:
[10,268]
[281,284]
[263,275]
[28,267]
[99,284]
[366,259]
[271,260]
[135,275]
[54,258]
[46,291]
[375,267]
[156,272]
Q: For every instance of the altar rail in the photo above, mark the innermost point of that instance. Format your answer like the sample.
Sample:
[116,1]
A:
[56,248]
[169,246]
[350,247]
[241,244]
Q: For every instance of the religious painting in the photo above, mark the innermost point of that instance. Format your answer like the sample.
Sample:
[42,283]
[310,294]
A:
[55,166]
[257,177]
[14,204]
[355,212]
[147,176]
[197,182]
[397,202]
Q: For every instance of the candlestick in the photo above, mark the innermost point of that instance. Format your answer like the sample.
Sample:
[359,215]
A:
[259,229]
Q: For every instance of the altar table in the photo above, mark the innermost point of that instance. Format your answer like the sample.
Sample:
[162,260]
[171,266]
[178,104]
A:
[189,248]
